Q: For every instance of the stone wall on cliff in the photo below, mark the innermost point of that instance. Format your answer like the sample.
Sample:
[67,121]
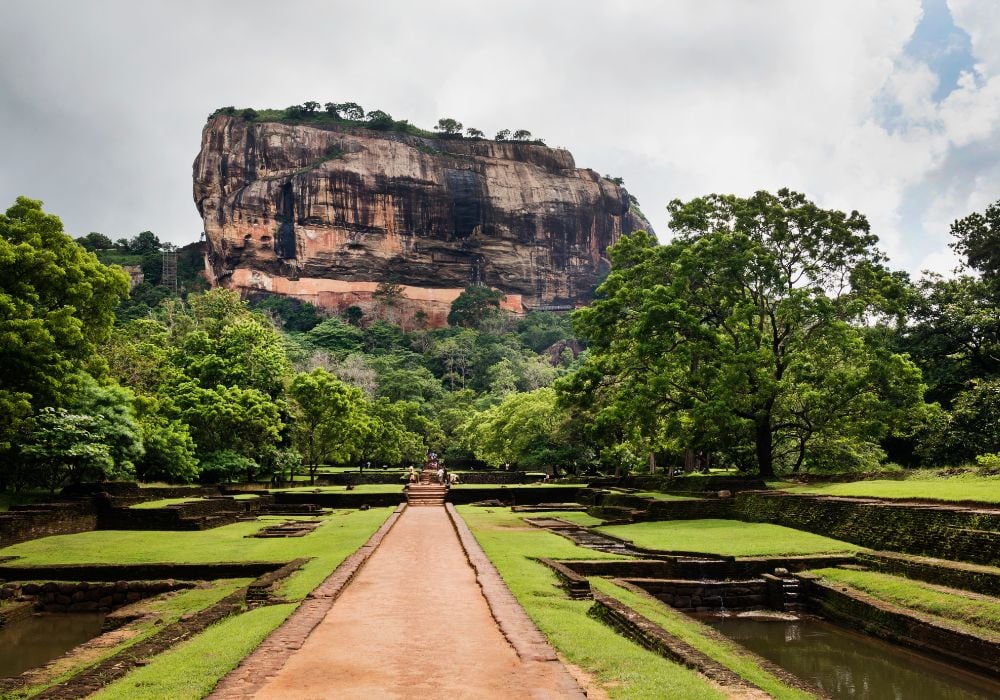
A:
[326,212]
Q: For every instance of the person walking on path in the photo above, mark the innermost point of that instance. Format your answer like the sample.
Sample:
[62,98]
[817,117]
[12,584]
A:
[440,475]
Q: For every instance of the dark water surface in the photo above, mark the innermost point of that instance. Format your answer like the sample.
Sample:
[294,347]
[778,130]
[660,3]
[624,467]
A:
[847,664]
[38,639]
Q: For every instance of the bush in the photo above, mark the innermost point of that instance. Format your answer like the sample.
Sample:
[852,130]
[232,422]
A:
[989,463]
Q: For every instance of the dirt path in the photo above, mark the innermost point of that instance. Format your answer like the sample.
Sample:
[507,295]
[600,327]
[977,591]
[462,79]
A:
[414,623]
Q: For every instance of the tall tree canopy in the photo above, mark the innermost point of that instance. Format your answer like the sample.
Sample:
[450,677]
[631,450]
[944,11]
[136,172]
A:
[739,337]
[56,304]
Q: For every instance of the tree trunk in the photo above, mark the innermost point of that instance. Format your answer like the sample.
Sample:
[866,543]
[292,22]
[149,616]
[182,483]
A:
[652,463]
[690,459]
[765,447]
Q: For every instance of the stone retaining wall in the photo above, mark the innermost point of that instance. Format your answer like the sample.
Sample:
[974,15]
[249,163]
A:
[648,634]
[853,608]
[152,571]
[946,532]
[719,569]
[83,596]
[704,596]
[511,495]
[60,518]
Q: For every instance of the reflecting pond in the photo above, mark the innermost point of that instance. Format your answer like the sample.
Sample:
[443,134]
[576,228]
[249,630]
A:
[847,664]
[36,640]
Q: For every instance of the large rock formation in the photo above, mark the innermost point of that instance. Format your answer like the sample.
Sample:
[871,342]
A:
[326,212]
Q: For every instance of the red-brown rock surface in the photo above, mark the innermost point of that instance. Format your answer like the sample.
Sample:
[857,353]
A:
[325,213]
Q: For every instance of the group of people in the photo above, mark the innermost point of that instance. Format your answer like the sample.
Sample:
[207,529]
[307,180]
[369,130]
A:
[444,477]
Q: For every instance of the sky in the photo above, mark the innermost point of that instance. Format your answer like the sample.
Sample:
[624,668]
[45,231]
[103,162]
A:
[890,108]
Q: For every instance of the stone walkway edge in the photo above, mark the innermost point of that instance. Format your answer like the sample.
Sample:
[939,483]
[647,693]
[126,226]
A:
[521,632]
[271,654]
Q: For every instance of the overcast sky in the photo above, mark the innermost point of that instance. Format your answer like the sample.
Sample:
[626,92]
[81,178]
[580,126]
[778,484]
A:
[890,107]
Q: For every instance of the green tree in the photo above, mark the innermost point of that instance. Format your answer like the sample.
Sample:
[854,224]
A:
[522,135]
[331,423]
[474,305]
[169,451]
[94,241]
[336,336]
[63,446]
[528,429]
[391,441]
[352,111]
[449,127]
[354,315]
[711,337]
[379,120]
[977,238]
[243,421]
[474,133]
[503,135]
[56,305]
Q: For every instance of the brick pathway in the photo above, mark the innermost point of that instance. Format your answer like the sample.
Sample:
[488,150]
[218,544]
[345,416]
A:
[414,622]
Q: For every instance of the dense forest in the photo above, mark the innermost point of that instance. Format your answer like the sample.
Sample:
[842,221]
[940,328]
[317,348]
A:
[768,335]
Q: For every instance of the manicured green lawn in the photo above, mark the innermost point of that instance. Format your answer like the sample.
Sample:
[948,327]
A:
[360,488]
[732,537]
[163,502]
[625,669]
[663,496]
[729,654]
[958,488]
[341,534]
[980,614]
[191,669]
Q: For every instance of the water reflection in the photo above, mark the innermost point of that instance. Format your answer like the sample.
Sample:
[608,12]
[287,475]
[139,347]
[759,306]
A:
[38,639]
[850,665]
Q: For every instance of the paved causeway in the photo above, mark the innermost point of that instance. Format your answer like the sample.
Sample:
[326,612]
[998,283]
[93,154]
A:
[413,624]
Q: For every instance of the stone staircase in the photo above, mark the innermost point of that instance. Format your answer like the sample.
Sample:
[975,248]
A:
[791,593]
[428,492]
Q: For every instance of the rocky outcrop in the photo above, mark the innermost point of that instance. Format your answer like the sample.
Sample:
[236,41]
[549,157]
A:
[325,213]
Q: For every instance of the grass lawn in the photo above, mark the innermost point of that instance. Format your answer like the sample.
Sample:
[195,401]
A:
[729,654]
[341,534]
[625,669]
[163,502]
[958,488]
[729,537]
[663,496]
[980,614]
[191,669]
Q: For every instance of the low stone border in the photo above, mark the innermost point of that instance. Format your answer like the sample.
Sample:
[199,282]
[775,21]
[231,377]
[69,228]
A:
[577,586]
[271,654]
[528,641]
[138,572]
[848,606]
[648,634]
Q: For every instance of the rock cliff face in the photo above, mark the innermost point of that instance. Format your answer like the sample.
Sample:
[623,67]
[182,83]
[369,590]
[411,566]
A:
[325,213]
